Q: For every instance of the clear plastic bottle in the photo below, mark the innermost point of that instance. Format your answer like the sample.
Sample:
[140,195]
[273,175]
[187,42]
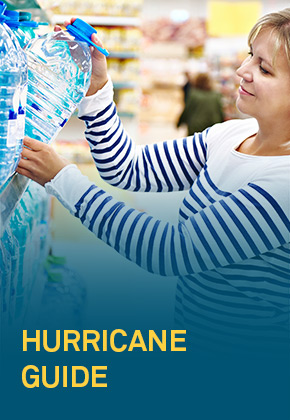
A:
[10,82]
[15,27]
[59,72]
[28,27]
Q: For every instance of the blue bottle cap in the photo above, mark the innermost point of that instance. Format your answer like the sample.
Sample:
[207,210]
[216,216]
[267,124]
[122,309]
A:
[24,16]
[25,20]
[83,31]
[2,7]
[12,18]
[2,10]
[28,24]
[13,15]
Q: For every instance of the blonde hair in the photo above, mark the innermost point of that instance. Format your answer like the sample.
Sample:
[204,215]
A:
[279,22]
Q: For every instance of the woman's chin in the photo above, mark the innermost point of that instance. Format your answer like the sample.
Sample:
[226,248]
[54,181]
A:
[242,109]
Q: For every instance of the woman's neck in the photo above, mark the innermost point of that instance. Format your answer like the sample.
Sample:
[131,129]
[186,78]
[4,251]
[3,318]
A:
[270,140]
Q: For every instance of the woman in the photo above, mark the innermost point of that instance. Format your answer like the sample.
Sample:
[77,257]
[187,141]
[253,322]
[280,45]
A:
[203,106]
[230,248]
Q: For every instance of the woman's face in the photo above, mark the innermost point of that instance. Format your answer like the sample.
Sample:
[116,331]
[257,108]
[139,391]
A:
[264,91]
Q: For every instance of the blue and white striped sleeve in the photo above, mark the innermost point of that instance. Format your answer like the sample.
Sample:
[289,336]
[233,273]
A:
[240,226]
[165,166]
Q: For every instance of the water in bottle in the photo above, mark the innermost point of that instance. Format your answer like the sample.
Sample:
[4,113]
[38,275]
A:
[59,71]
[10,81]
[17,30]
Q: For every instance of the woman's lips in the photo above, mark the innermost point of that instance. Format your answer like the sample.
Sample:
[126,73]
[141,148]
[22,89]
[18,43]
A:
[243,91]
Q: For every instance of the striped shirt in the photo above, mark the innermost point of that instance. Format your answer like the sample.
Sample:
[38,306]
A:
[230,246]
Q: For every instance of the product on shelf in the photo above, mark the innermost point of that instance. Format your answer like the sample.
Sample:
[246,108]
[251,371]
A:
[13,78]
[127,101]
[124,70]
[95,8]
[120,39]
[191,32]
[22,26]
[57,62]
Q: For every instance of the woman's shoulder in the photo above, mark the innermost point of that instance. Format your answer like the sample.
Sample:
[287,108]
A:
[238,125]
[231,131]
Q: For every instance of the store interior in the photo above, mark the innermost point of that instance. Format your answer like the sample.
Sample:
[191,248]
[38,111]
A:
[152,44]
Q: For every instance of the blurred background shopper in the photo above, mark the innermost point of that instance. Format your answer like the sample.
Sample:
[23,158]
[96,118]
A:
[203,106]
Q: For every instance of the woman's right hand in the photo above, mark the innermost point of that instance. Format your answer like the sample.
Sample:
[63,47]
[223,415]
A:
[99,64]
[39,161]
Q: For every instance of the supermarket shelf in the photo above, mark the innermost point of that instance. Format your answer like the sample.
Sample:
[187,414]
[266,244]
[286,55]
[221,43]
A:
[124,114]
[125,85]
[123,54]
[10,195]
[101,20]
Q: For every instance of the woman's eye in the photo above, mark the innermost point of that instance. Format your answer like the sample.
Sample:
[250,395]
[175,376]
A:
[250,53]
[263,70]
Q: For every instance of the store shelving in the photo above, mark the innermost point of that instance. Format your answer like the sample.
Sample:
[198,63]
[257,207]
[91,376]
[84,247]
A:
[124,55]
[125,85]
[101,20]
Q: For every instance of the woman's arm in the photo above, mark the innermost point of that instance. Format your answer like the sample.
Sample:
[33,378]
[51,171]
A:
[165,166]
[239,226]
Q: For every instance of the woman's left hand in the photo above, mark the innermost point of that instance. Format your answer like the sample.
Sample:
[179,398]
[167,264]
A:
[39,161]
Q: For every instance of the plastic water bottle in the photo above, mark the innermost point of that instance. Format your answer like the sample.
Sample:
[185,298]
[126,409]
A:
[10,82]
[59,72]
[15,27]
[28,27]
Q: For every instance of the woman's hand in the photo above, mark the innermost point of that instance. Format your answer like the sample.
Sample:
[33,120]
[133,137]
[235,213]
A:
[99,63]
[39,161]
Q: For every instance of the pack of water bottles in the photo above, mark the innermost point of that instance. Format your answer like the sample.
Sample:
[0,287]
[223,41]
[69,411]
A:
[42,81]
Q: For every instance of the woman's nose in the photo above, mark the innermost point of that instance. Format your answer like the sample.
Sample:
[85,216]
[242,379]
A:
[244,71]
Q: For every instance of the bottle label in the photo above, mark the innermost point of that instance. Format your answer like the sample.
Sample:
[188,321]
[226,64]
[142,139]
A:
[12,134]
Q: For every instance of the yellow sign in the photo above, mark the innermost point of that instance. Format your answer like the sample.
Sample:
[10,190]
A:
[227,18]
